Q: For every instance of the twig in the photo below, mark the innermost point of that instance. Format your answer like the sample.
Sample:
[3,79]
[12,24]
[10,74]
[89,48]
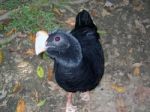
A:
[6,15]
[70,9]
[78,2]
[8,39]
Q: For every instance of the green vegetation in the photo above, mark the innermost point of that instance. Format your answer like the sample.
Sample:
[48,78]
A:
[30,17]
[12,4]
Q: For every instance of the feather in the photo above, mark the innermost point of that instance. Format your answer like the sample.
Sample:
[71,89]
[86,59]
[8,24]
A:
[80,65]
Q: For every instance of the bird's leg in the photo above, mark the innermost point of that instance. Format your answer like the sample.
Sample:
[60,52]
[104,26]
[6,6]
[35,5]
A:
[69,106]
[85,96]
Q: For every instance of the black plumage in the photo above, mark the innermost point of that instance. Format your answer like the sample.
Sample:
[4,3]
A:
[78,55]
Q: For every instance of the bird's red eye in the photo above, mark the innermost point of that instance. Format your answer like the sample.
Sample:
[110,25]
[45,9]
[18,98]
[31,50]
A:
[57,38]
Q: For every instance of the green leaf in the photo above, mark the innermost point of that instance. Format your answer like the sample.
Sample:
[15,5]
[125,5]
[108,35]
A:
[41,103]
[102,33]
[40,71]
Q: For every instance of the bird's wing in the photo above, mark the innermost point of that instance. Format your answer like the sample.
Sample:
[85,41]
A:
[86,33]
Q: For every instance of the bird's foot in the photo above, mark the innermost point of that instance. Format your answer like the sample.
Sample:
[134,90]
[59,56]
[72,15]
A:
[71,108]
[85,96]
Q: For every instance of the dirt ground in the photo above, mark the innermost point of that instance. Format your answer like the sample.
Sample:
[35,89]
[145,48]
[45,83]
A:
[125,87]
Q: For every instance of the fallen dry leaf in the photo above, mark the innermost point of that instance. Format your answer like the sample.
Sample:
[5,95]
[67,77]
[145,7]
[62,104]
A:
[94,12]
[1,56]
[50,73]
[137,69]
[21,106]
[120,105]
[57,11]
[137,5]
[70,21]
[11,32]
[17,87]
[32,37]
[119,89]
[30,52]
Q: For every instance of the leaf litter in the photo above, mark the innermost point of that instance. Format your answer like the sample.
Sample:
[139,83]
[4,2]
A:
[21,105]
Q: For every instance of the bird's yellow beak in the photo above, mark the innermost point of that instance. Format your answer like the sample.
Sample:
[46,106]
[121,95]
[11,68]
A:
[40,42]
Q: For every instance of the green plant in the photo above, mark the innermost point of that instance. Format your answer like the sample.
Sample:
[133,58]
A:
[31,19]
[12,4]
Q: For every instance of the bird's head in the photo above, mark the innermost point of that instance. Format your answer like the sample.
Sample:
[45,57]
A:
[58,42]
[59,45]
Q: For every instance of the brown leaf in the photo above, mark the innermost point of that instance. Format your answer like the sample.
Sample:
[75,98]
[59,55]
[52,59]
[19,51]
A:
[50,73]
[70,21]
[11,32]
[138,5]
[32,37]
[137,71]
[17,87]
[21,106]
[30,52]
[1,56]
[57,11]
[94,12]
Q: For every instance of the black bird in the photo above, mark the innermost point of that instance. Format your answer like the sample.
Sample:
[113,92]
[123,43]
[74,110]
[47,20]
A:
[78,57]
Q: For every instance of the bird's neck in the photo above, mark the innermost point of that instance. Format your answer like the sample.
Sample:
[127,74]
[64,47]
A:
[72,56]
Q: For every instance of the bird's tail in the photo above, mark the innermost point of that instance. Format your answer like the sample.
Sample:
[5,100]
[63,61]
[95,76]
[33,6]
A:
[84,19]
